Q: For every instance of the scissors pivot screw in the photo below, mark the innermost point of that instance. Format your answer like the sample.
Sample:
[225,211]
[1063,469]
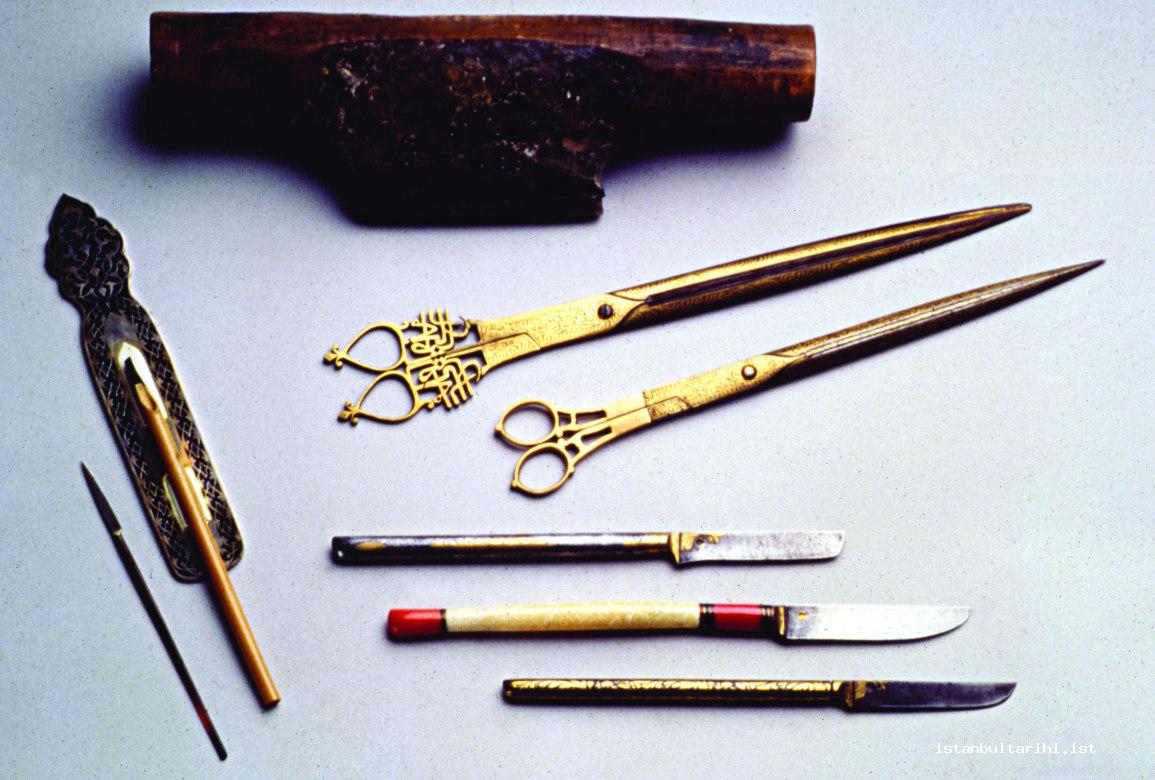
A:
[749,372]
[605,311]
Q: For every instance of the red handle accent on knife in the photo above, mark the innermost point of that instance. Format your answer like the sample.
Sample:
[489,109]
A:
[733,617]
[410,623]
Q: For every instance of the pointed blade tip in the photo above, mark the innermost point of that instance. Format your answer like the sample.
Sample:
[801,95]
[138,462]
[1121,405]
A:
[103,508]
[1011,210]
[943,620]
[989,216]
[939,621]
[93,486]
[1001,692]
[1066,272]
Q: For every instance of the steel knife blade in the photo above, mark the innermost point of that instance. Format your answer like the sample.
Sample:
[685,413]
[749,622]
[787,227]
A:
[758,546]
[866,622]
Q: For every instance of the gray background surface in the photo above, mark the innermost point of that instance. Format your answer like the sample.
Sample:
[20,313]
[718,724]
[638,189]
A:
[1005,464]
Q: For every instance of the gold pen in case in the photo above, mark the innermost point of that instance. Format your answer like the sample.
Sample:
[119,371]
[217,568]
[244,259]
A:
[188,495]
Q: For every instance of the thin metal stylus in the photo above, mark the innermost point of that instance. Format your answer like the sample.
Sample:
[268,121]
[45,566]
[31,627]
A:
[138,582]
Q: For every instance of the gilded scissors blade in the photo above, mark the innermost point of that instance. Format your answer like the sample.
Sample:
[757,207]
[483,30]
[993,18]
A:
[743,376]
[942,313]
[723,284]
[453,356]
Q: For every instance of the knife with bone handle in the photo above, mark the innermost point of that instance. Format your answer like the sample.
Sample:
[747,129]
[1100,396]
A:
[437,360]
[811,623]
[684,548]
[851,695]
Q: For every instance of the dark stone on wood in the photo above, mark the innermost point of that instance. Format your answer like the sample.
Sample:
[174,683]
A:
[470,129]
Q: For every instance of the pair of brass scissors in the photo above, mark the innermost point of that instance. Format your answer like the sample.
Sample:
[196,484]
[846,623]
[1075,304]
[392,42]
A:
[439,360]
[573,435]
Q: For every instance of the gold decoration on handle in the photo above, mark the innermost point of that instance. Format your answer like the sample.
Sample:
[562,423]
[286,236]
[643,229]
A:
[676,691]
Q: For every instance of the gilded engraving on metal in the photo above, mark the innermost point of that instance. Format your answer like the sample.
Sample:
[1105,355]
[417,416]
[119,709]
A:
[439,369]
[690,541]
[674,691]
[431,365]
[857,690]
[572,442]
[686,542]
[705,686]
[85,254]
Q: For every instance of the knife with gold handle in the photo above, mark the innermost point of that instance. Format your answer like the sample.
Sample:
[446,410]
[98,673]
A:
[851,695]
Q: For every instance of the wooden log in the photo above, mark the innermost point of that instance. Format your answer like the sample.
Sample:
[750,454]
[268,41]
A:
[489,118]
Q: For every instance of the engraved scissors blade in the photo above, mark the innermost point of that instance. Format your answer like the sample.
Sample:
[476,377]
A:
[440,361]
[571,438]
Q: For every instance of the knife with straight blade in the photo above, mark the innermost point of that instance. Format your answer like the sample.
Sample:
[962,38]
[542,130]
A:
[852,695]
[685,548]
[811,623]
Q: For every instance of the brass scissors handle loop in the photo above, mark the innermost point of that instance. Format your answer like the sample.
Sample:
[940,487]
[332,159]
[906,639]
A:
[546,449]
[354,411]
[572,436]
[546,407]
[339,355]
[566,440]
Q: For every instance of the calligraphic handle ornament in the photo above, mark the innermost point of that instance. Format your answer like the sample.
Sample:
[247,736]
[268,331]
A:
[431,365]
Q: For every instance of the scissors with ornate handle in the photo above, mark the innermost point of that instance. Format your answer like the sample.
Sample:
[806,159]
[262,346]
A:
[440,359]
[575,434]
